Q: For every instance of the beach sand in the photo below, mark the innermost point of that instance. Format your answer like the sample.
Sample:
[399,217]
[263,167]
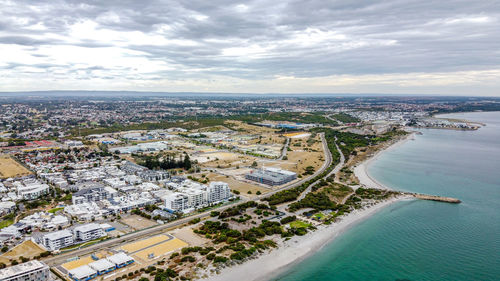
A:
[361,170]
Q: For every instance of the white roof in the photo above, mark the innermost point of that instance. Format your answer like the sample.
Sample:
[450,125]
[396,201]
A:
[20,269]
[102,264]
[82,272]
[87,227]
[280,171]
[58,234]
[120,258]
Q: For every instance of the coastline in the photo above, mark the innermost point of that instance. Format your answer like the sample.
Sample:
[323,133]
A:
[273,263]
[361,172]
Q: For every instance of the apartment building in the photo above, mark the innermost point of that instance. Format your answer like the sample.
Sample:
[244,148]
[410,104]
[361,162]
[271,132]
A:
[88,232]
[58,240]
[29,271]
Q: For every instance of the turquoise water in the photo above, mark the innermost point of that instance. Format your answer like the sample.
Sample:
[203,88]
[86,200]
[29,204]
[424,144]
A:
[424,240]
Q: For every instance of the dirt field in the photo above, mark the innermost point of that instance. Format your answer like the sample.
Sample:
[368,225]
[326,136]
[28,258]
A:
[141,244]
[186,234]
[82,261]
[137,222]
[27,249]
[234,184]
[238,125]
[9,168]
[225,159]
[161,249]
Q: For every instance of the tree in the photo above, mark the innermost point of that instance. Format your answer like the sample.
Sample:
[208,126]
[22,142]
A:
[254,164]
[5,249]
[187,162]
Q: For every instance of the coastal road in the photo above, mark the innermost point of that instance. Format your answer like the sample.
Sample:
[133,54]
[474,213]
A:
[332,172]
[111,243]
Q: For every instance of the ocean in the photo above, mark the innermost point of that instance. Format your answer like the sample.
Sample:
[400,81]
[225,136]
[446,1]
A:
[425,240]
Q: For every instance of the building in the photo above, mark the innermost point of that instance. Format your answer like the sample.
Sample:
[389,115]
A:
[58,240]
[102,266]
[82,273]
[88,232]
[271,176]
[32,191]
[176,202]
[92,194]
[143,172]
[218,191]
[29,271]
[120,260]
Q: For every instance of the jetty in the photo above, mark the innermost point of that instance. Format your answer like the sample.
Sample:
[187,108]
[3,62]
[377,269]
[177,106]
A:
[435,198]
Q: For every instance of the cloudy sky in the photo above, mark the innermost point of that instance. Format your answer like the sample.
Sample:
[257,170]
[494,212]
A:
[317,46]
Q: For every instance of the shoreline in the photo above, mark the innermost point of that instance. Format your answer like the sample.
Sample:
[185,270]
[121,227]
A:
[273,263]
[361,172]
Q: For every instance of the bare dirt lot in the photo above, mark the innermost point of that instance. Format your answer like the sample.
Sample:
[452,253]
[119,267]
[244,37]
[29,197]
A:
[137,222]
[9,168]
[234,184]
[27,249]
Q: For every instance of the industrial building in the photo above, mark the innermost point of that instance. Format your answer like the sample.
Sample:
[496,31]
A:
[271,176]
[29,271]
[100,267]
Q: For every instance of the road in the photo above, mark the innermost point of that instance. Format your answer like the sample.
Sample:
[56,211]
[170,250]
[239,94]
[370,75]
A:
[285,149]
[332,172]
[111,243]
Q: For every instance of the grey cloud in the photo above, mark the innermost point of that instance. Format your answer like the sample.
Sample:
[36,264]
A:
[422,41]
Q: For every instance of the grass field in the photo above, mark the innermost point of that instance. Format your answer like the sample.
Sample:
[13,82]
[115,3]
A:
[27,249]
[9,168]
[53,211]
[5,223]
[299,224]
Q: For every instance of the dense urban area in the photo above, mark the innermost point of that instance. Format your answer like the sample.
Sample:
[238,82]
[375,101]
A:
[111,186]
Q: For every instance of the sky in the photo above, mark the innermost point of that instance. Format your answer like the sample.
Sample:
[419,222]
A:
[317,46]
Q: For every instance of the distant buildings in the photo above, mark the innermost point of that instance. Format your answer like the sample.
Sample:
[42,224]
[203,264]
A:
[29,271]
[143,172]
[271,176]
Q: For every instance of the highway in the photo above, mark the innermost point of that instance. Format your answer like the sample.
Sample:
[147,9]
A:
[111,243]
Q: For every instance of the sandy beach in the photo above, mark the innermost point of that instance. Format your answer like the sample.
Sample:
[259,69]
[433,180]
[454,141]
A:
[273,263]
[361,170]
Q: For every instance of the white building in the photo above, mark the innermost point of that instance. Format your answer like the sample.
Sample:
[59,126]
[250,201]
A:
[29,271]
[82,273]
[176,201]
[88,232]
[218,191]
[32,191]
[191,195]
[58,240]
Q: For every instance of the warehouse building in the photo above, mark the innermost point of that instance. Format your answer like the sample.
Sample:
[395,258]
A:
[271,176]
